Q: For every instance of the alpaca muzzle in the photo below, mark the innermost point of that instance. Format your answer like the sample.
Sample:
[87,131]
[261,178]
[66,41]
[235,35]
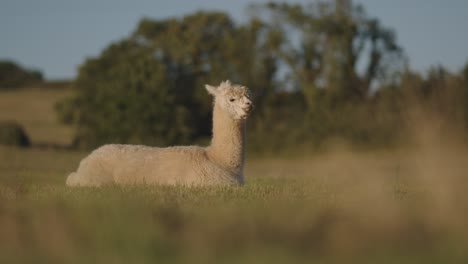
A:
[248,109]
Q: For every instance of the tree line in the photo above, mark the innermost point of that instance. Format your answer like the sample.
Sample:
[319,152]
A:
[317,71]
[14,76]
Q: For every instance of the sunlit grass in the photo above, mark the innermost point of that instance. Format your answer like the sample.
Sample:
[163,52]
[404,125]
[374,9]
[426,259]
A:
[308,210]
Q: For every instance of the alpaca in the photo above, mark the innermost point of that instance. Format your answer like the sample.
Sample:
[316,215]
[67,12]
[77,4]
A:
[221,163]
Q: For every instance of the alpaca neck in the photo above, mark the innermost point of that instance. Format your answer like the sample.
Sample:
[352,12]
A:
[228,143]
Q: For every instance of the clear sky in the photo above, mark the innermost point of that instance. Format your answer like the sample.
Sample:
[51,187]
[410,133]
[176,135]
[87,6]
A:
[55,36]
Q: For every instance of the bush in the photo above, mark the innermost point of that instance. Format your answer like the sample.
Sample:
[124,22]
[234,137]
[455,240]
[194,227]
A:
[12,134]
[129,100]
[14,76]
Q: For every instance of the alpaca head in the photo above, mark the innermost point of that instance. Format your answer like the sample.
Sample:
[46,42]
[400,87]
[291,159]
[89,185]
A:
[232,98]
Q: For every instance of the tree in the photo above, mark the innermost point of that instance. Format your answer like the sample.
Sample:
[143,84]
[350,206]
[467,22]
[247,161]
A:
[149,87]
[209,48]
[311,68]
[13,76]
[333,48]
[124,96]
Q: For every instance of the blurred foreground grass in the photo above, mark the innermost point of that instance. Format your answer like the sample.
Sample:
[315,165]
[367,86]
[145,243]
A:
[339,207]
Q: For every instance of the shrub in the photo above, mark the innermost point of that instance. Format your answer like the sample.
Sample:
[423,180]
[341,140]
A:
[14,76]
[12,134]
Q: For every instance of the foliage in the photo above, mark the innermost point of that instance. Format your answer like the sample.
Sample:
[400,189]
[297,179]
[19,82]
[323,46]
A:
[127,102]
[14,76]
[149,88]
[13,134]
[319,71]
[333,57]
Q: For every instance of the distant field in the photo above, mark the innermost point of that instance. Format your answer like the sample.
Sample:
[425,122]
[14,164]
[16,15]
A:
[342,206]
[33,108]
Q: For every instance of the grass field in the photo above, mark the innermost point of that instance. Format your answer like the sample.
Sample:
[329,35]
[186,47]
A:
[33,108]
[342,206]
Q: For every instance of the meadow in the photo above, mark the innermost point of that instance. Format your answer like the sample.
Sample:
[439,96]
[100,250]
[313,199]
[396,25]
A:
[341,205]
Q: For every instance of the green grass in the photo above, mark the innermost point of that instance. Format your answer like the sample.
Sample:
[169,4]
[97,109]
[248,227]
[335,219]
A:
[307,210]
[342,206]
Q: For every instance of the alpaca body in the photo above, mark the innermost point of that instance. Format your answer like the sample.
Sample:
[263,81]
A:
[134,164]
[221,163]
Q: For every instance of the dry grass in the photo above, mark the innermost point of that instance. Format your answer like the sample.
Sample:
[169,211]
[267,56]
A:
[33,108]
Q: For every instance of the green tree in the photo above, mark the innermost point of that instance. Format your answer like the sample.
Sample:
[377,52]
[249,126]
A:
[209,48]
[334,55]
[335,48]
[312,70]
[124,96]
[13,76]
[149,87]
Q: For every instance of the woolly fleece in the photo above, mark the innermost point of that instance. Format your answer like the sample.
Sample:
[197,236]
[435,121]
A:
[221,163]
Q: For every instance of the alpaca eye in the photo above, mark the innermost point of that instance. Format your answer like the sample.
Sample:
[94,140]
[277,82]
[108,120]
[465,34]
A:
[232,100]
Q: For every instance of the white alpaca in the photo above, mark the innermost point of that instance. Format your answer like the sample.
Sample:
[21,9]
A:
[221,163]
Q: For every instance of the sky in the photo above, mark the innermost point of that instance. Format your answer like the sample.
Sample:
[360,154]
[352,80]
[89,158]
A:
[56,36]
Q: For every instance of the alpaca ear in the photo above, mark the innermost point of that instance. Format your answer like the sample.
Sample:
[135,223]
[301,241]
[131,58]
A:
[211,89]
